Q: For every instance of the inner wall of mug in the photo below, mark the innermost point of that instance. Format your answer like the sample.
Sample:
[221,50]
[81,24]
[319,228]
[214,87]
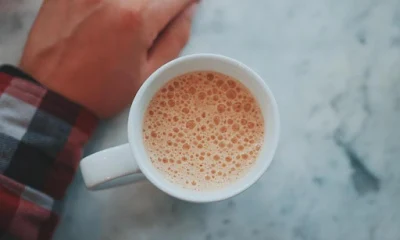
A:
[204,62]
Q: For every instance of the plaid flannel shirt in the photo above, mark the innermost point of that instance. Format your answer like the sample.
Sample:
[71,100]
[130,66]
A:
[41,140]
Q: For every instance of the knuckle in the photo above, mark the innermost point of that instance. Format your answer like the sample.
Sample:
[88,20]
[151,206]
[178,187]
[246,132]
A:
[131,18]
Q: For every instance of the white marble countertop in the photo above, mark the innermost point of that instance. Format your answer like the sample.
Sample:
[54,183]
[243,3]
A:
[334,66]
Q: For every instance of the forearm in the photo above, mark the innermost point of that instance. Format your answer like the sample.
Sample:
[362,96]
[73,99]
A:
[41,140]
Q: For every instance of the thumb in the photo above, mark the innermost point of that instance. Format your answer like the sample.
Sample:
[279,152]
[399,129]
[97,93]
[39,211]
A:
[172,40]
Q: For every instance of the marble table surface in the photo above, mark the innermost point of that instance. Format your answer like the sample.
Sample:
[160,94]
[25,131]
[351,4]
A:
[334,66]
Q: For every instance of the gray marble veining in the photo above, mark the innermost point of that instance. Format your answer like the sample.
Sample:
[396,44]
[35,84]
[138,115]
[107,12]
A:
[334,66]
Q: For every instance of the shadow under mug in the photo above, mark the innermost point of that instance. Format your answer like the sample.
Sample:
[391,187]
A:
[131,159]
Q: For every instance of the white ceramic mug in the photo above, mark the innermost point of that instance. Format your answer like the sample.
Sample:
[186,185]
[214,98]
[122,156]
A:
[132,159]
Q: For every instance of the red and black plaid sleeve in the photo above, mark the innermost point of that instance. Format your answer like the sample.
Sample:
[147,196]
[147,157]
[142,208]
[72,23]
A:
[41,140]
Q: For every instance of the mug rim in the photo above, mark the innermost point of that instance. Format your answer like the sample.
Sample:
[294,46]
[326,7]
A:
[137,104]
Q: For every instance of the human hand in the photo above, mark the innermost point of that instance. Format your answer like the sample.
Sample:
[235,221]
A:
[98,52]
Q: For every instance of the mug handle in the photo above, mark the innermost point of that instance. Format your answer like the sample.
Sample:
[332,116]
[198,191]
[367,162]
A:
[101,169]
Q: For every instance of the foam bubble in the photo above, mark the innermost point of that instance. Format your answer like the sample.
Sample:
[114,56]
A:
[191,124]
[171,103]
[202,96]
[247,107]
[221,108]
[250,125]
[231,83]
[223,129]
[203,130]
[231,94]
[192,90]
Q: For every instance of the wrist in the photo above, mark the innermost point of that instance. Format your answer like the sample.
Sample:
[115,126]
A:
[46,132]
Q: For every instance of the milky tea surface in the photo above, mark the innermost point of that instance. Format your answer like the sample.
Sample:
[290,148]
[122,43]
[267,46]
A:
[203,130]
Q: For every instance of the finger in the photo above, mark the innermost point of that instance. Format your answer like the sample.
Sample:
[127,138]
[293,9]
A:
[158,14]
[172,40]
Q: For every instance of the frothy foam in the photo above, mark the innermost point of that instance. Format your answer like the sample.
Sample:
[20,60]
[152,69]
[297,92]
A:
[203,130]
